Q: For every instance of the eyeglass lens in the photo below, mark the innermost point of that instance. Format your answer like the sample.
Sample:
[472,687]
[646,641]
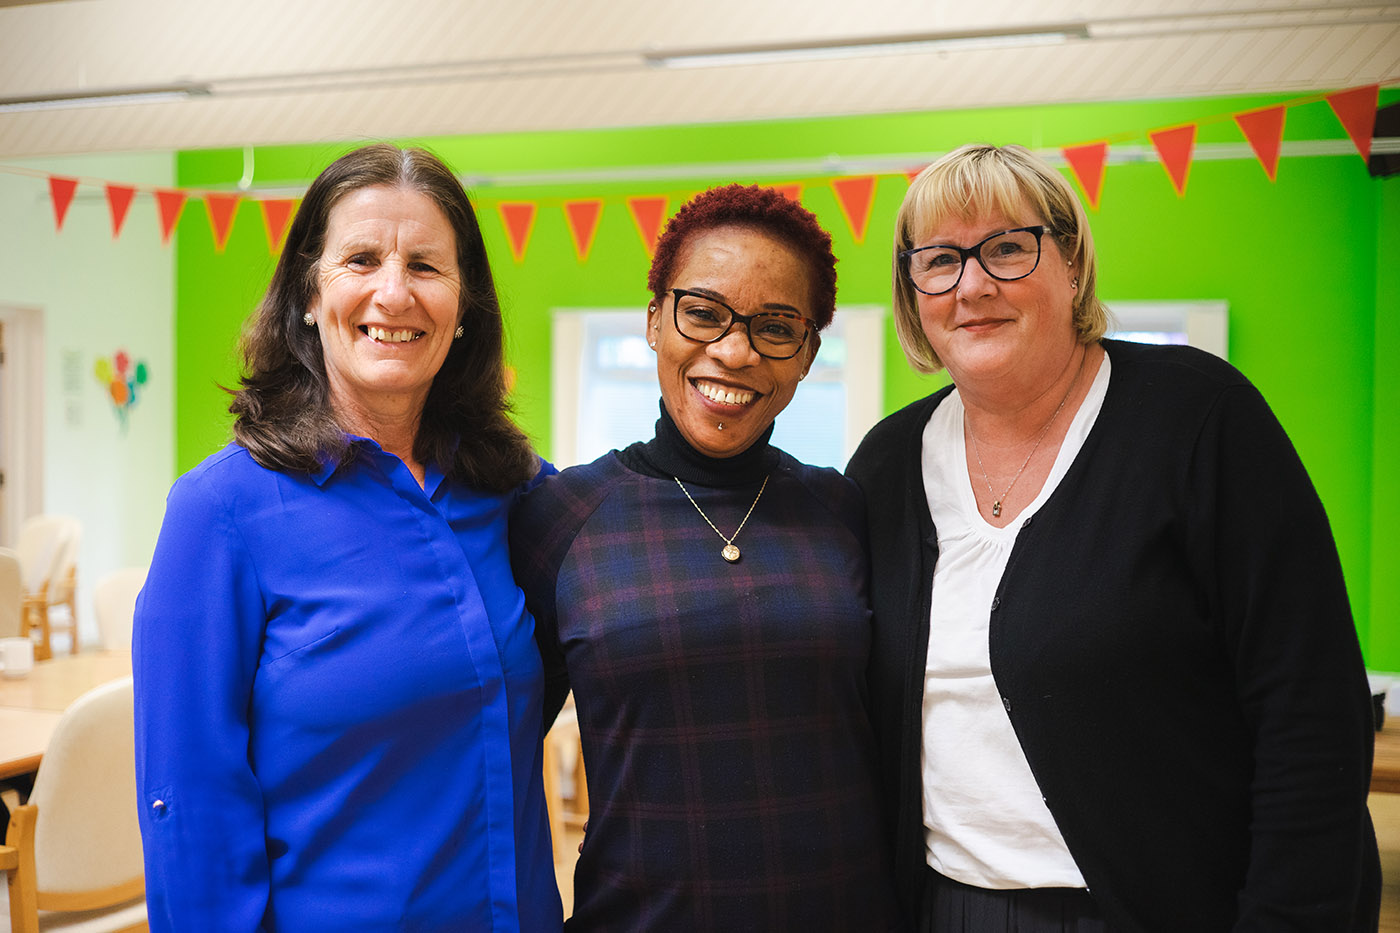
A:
[775,335]
[1006,256]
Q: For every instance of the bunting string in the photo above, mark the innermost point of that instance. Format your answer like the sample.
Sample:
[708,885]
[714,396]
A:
[853,186]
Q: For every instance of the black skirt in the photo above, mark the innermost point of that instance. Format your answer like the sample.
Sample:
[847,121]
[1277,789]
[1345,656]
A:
[952,907]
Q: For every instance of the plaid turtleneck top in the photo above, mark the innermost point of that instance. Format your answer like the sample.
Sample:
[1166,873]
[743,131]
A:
[723,707]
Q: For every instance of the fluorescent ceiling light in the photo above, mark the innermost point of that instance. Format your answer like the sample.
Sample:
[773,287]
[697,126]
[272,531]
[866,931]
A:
[825,49]
[104,97]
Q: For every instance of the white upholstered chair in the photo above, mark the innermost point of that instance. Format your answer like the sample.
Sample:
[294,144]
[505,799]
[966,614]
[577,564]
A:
[48,555]
[114,602]
[73,852]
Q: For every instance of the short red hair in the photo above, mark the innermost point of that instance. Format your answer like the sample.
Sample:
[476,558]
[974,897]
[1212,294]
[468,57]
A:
[760,208]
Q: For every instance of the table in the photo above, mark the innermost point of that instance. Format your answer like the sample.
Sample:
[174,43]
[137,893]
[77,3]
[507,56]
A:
[24,734]
[30,706]
[1385,772]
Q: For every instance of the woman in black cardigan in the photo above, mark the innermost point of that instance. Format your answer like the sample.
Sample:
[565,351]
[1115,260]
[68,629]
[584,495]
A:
[1142,706]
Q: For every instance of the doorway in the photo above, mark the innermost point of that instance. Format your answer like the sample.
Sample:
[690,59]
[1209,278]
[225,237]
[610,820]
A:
[21,418]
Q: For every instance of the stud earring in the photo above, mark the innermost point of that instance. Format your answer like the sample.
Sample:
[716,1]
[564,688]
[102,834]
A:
[1074,283]
[308,320]
[720,426]
[457,334]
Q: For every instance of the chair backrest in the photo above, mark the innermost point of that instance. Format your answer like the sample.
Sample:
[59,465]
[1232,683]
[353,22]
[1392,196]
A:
[114,599]
[11,593]
[48,549]
[87,837]
[62,582]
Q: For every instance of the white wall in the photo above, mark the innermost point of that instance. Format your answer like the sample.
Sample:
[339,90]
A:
[97,295]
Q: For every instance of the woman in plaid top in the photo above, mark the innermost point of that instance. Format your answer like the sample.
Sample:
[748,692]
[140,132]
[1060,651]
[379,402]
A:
[705,596]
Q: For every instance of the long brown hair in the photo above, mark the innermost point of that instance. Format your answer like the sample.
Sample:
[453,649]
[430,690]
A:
[283,414]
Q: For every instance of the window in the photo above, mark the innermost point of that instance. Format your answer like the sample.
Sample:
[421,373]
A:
[606,395]
[1202,324]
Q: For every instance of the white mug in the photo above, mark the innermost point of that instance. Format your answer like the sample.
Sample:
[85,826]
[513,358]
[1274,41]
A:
[16,657]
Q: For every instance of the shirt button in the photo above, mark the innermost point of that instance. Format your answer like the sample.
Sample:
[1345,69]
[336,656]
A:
[1006,702]
[996,601]
[158,805]
[1026,523]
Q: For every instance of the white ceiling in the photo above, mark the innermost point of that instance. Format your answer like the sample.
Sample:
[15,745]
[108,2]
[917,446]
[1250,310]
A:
[317,70]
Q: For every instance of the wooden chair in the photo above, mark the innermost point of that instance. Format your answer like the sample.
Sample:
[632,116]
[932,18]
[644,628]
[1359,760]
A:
[114,601]
[48,553]
[11,594]
[75,848]
[563,755]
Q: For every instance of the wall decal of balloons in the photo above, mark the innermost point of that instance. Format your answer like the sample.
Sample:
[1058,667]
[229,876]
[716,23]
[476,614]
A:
[122,381]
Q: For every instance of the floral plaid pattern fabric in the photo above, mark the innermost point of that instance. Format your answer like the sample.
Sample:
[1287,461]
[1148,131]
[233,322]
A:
[723,707]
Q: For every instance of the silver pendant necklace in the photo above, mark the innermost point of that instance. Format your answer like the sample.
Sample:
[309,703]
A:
[730,551]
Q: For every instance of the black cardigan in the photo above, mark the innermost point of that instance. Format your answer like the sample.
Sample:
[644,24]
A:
[1173,644]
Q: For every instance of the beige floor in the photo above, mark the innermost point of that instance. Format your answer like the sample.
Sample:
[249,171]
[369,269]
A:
[1385,812]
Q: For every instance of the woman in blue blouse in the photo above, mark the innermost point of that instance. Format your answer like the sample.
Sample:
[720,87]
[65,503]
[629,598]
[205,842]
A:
[338,695]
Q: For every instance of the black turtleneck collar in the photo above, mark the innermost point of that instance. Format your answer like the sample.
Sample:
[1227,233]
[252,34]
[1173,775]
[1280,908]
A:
[669,454]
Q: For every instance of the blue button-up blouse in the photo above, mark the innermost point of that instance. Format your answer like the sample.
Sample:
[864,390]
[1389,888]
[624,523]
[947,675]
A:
[338,706]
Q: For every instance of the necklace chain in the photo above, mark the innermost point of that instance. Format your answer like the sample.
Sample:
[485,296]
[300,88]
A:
[730,552]
[997,500]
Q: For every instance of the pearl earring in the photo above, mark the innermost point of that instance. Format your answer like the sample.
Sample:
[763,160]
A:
[308,320]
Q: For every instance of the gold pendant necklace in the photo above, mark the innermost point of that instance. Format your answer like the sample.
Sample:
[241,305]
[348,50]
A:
[997,500]
[730,551]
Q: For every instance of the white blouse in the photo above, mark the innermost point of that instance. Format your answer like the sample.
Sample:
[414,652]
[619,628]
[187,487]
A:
[985,821]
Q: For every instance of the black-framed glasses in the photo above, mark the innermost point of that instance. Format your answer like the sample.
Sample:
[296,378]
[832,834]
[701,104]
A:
[778,335]
[1008,256]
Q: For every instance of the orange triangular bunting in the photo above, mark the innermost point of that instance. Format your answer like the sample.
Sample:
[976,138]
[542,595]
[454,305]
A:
[583,223]
[168,207]
[62,191]
[1356,109]
[1264,130]
[276,214]
[647,214]
[854,195]
[519,220]
[1086,163]
[221,208]
[119,201]
[1174,148]
[793,191]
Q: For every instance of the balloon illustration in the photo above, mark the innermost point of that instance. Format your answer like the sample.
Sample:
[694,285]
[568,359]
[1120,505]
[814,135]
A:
[121,380]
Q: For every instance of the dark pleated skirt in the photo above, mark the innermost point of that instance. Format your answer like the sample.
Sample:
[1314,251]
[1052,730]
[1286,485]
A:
[952,907]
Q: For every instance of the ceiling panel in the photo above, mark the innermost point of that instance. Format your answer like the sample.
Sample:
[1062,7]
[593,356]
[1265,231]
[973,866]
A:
[316,70]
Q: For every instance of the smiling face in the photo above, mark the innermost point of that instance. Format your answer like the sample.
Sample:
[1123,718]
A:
[991,333]
[388,288]
[727,382]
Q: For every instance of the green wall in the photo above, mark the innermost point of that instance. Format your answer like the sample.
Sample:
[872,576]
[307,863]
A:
[1384,641]
[1307,265]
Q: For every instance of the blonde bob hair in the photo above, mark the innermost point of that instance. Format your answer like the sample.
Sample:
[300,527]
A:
[977,178]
